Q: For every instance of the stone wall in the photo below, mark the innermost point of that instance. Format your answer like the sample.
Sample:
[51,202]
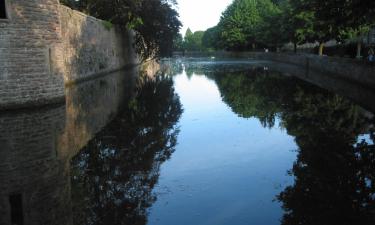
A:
[29,39]
[358,93]
[44,46]
[348,69]
[93,46]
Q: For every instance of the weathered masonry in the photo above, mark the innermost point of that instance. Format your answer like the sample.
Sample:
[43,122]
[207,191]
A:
[44,45]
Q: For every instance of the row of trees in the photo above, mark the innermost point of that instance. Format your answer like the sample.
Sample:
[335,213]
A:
[248,24]
[155,22]
[190,42]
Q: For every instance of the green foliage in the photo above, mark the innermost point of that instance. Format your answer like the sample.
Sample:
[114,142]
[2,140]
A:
[211,38]
[322,30]
[342,14]
[242,22]
[193,41]
[178,43]
[159,28]
[246,24]
[155,22]
[188,33]
[271,30]
[296,26]
[329,20]
[107,25]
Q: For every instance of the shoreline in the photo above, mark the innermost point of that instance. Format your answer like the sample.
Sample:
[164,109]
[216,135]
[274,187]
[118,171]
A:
[349,69]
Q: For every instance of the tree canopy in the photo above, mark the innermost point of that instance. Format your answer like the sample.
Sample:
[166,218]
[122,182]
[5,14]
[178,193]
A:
[242,22]
[249,24]
[193,41]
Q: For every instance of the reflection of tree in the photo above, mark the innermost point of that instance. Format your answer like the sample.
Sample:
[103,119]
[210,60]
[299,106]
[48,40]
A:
[333,185]
[212,66]
[172,67]
[334,175]
[247,98]
[114,175]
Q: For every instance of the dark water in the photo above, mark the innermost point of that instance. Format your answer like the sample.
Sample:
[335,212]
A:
[208,142]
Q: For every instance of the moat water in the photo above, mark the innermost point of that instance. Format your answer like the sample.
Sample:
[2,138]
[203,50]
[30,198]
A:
[206,142]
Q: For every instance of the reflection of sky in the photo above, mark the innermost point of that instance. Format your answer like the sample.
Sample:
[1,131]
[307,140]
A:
[365,138]
[226,170]
[198,95]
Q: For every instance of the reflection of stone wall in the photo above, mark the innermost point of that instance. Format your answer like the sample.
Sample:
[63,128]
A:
[359,94]
[91,105]
[36,147]
[31,167]
[43,43]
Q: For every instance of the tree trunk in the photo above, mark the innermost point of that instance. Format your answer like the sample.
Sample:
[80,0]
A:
[359,48]
[321,48]
[295,47]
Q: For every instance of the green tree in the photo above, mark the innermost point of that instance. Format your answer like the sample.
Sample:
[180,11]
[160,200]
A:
[187,39]
[178,43]
[344,13]
[211,38]
[332,19]
[158,28]
[272,29]
[296,27]
[319,30]
[242,21]
[353,18]
[193,41]
[355,35]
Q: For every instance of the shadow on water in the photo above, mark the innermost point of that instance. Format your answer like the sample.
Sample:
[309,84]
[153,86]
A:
[334,174]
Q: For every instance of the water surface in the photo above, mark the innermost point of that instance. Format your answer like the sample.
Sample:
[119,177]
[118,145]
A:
[209,141]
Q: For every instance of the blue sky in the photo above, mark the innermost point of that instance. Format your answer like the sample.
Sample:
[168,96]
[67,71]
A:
[200,14]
